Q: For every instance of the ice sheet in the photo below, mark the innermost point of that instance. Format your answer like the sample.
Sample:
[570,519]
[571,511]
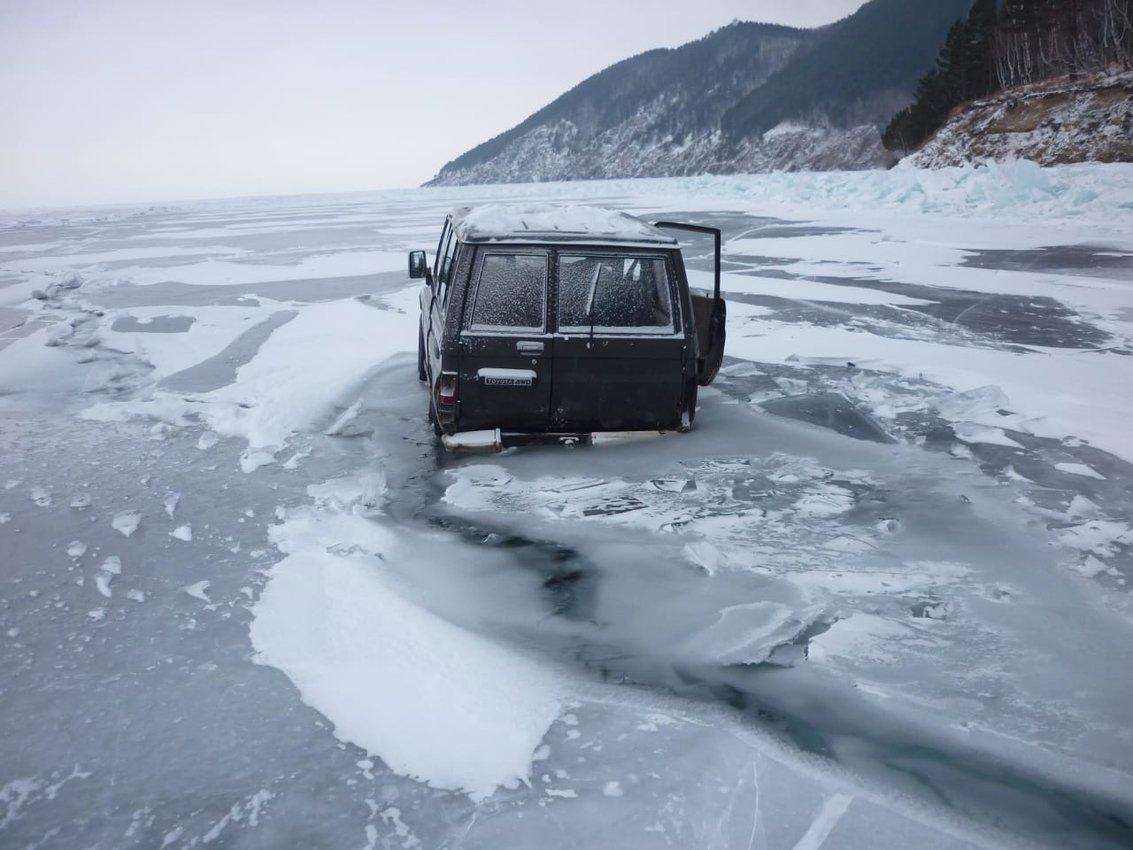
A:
[763,631]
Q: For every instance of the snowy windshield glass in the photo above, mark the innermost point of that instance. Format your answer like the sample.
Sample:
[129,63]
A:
[511,292]
[614,293]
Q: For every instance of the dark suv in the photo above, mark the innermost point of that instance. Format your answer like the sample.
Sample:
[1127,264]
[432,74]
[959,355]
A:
[550,323]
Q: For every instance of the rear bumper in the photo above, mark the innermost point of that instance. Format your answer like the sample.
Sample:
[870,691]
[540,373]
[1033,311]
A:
[495,440]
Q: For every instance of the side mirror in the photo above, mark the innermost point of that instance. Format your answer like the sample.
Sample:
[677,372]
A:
[418,264]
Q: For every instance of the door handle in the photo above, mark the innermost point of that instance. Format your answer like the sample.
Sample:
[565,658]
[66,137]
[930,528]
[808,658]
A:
[529,347]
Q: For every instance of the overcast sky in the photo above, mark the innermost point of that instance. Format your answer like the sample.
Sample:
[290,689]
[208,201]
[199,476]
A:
[104,101]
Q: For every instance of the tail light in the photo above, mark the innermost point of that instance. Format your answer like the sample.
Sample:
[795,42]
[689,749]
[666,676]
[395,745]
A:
[446,395]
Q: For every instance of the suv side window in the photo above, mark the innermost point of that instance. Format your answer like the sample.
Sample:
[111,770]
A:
[446,265]
[446,236]
[511,293]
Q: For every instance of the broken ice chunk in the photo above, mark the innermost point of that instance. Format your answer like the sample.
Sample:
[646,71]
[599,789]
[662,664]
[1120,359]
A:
[704,555]
[198,590]
[111,567]
[126,522]
[792,386]
[972,404]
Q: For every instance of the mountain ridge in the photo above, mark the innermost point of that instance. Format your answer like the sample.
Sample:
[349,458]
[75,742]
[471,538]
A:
[747,97]
[619,69]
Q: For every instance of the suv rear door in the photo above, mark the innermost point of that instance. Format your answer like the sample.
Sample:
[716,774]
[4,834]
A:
[619,341]
[709,313]
[505,349]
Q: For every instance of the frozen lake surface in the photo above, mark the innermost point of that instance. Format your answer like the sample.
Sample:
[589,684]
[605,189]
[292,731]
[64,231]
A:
[878,597]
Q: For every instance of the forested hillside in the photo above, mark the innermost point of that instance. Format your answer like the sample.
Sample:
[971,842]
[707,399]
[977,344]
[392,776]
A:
[1016,43]
[855,71]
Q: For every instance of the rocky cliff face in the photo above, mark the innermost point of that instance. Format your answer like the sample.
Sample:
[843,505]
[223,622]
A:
[561,151]
[1063,120]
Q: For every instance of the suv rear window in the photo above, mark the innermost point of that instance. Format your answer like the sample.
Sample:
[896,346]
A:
[511,293]
[620,294]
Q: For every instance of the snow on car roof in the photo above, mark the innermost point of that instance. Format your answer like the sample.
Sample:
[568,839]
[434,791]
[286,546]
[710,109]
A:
[553,223]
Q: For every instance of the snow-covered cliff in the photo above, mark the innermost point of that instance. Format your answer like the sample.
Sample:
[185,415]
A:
[561,151]
[1089,118]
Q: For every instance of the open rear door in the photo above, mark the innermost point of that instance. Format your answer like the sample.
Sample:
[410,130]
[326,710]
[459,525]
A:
[709,312]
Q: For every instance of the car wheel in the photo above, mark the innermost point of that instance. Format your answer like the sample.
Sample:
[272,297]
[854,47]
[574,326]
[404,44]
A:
[422,375]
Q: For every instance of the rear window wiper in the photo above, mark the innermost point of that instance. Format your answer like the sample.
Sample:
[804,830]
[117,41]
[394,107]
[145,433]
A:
[591,296]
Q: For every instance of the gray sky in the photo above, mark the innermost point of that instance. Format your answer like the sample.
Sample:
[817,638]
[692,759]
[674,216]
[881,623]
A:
[104,101]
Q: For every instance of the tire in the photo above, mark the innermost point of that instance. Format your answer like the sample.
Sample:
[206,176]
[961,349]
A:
[422,375]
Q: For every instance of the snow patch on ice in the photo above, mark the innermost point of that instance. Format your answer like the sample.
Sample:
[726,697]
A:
[825,500]
[1090,567]
[392,817]
[228,272]
[970,432]
[433,700]
[1060,391]
[294,381]
[362,492]
[859,637]
[1100,537]
[1079,469]
[829,813]
[212,330]
[249,809]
